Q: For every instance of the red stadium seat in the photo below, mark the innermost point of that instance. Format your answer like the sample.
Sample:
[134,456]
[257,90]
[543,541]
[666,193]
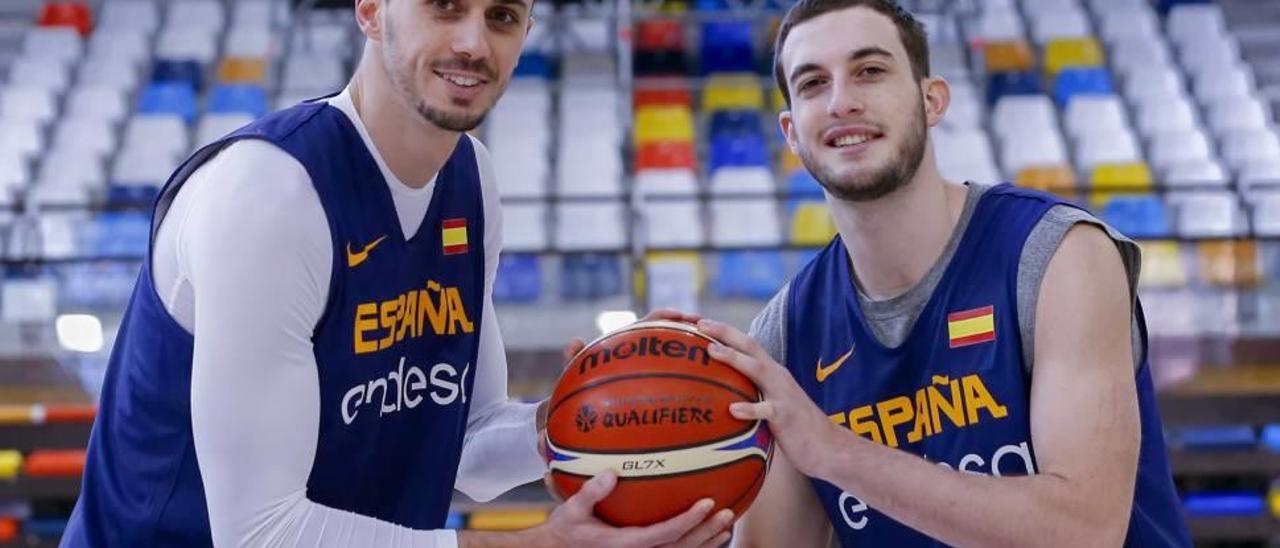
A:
[663,96]
[660,35]
[67,14]
[665,155]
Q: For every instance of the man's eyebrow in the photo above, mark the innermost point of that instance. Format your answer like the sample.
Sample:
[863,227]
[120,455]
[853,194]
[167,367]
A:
[856,55]
[520,3]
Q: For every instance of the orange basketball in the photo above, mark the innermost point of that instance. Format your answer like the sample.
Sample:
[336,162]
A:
[649,403]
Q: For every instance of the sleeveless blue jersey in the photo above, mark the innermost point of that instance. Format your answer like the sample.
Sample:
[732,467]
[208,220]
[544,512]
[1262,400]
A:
[956,392]
[395,350]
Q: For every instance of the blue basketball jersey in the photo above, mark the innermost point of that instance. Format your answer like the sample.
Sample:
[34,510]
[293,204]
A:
[956,392]
[395,350]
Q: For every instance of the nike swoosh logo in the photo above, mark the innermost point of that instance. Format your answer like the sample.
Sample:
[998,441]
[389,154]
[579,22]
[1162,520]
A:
[354,259]
[824,372]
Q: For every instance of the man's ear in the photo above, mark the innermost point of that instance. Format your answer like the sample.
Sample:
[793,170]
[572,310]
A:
[936,94]
[367,18]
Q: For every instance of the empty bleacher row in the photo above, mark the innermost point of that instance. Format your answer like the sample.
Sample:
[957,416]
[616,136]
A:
[104,113]
[1157,127]
[1113,97]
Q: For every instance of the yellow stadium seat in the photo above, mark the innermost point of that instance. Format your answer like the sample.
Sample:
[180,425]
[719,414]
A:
[692,257]
[732,92]
[1108,180]
[10,463]
[1071,52]
[506,520]
[1008,56]
[789,161]
[243,70]
[1056,179]
[1273,502]
[779,102]
[658,123]
[1162,264]
[674,7]
[811,224]
[1230,263]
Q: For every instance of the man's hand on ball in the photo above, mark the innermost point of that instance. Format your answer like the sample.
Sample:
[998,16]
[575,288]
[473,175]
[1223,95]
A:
[801,429]
[574,523]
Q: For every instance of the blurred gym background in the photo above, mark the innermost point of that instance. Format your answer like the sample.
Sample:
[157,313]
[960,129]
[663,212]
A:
[640,163]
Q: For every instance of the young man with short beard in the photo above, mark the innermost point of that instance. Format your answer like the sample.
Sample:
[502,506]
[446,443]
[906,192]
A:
[964,364]
[310,356]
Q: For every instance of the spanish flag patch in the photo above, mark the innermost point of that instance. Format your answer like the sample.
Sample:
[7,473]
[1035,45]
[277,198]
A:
[972,326]
[453,236]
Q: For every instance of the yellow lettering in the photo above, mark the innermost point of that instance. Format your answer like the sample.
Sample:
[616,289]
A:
[366,320]
[977,397]
[923,426]
[458,313]
[837,418]
[409,313]
[388,313]
[952,407]
[436,311]
[397,326]
[894,412]
[862,424]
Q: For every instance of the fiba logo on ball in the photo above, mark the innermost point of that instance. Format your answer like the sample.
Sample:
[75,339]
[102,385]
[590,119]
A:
[586,418]
[649,403]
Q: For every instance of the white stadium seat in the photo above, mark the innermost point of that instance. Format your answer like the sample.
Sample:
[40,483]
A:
[745,222]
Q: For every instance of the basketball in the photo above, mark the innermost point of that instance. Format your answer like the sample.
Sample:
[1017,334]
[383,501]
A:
[649,403]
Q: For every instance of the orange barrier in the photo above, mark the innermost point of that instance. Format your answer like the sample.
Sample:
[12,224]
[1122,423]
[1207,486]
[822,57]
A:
[25,415]
[506,520]
[15,415]
[70,413]
[8,530]
[55,463]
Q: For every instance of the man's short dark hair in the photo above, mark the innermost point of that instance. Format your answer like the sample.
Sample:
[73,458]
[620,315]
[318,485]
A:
[910,30]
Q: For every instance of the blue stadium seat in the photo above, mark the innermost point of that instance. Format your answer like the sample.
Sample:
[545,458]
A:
[519,278]
[1225,503]
[1079,81]
[169,98]
[750,274]
[738,151]
[587,276]
[168,70]
[132,194]
[1138,216]
[238,98]
[96,285]
[710,5]
[1216,438]
[727,46]
[1000,84]
[797,259]
[45,527]
[1165,5]
[117,234]
[801,184]
[607,276]
[533,65]
[1271,437]
[735,122]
